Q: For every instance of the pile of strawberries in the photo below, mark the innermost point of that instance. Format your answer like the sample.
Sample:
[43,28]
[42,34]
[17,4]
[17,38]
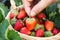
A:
[37,26]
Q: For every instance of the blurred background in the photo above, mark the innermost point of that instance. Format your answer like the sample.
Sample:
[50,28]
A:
[59,5]
[7,3]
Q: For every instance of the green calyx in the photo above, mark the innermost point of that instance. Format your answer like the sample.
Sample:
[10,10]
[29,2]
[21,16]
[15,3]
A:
[33,34]
[30,19]
[15,12]
[48,34]
[39,27]
[13,21]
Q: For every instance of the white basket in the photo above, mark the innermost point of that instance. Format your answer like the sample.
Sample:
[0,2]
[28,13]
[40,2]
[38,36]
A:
[56,37]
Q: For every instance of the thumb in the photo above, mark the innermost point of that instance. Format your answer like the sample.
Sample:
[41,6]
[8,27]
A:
[40,6]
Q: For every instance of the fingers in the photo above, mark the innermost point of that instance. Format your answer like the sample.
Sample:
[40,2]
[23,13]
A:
[40,6]
[55,1]
[30,0]
[27,4]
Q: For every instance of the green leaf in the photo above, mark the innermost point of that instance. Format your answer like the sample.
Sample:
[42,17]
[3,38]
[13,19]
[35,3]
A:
[12,35]
[4,8]
[52,8]
[57,21]
[18,2]
[3,28]
[1,38]
[1,17]
[51,11]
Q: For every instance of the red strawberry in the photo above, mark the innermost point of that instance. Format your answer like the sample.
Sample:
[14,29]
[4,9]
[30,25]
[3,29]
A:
[31,23]
[49,25]
[18,25]
[21,14]
[39,33]
[40,22]
[11,15]
[24,30]
[41,16]
[59,30]
[55,31]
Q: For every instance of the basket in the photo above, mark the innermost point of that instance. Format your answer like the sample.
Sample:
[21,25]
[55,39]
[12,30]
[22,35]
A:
[56,37]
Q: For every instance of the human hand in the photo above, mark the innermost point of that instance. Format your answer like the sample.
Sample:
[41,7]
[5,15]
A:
[36,6]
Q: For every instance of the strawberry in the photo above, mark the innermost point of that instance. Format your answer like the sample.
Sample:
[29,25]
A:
[48,34]
[49,25]
[21,14]
[24,30]
[40,22]
[11,15]
[59,30]
[55,31]
[41,16]
[31,23]
[39,33]
[18,25]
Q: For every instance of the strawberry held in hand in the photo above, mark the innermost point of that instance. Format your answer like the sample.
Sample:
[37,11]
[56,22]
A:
[31,23]
[49,25]
[18,25]
[39,33]
[24,30]
[41,16]
[21,14]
